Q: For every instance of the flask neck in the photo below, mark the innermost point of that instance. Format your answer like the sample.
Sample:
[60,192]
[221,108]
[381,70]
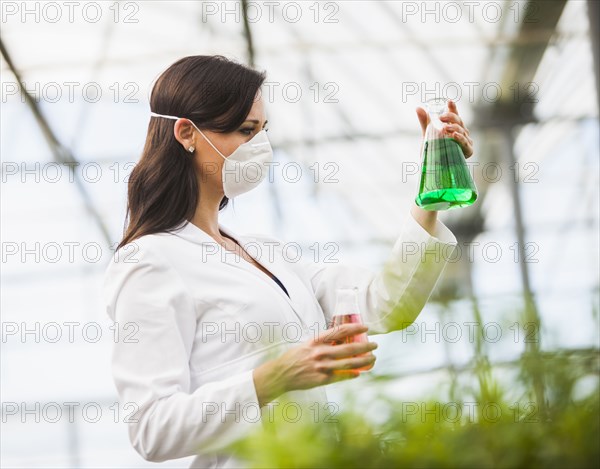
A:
[346,301]
[435,108]
[435,114]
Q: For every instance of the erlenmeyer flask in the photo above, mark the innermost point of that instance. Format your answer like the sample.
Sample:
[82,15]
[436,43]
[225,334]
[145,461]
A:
[347,311]
[445,179]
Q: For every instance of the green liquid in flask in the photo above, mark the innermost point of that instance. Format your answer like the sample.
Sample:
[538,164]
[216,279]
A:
[445,179]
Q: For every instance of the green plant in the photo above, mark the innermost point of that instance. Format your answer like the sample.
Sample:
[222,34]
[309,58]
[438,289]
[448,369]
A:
[483,430]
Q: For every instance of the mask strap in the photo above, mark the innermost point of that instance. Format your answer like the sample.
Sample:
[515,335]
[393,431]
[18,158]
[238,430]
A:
[163,115]
[201,133]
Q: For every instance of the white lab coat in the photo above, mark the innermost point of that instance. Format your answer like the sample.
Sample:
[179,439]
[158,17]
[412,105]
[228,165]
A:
[204,318]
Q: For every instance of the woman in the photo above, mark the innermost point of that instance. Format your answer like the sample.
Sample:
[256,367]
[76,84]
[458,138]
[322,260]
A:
[218,327]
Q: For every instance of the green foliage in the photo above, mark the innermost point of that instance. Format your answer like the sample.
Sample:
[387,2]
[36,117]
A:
[488,432]
[544,413]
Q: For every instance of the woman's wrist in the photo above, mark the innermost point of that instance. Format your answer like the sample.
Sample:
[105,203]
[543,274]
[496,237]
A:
[266,382]
[426,218]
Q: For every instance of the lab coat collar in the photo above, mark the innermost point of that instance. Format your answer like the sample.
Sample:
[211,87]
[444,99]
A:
[192,233]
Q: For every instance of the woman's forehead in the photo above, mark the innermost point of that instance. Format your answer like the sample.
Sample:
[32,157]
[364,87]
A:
[257,112]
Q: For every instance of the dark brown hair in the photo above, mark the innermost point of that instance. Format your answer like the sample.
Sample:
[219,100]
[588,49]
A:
[216,94]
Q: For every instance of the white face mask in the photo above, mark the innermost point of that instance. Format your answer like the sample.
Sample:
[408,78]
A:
[246,167]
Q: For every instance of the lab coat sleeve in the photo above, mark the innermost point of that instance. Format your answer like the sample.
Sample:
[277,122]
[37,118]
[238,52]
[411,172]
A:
[149,301]
[391,298]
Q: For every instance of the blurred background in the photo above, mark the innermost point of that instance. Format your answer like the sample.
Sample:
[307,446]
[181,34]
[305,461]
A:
[343,81]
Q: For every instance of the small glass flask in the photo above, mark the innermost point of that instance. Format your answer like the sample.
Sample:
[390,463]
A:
[347,311]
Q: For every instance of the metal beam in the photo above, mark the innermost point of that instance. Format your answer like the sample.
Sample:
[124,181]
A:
[248,33]
[593,7]
[508,114]
[251,57]
[61,153]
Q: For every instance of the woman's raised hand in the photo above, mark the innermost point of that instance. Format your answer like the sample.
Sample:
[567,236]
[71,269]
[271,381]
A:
[454,127]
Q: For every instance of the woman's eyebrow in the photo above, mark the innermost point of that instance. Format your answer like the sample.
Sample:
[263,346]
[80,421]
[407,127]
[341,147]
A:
[255,121]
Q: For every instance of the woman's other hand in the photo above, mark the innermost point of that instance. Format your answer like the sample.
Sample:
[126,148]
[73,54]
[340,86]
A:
[314,363]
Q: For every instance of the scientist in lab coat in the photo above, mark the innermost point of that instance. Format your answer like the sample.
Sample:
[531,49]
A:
[216,326]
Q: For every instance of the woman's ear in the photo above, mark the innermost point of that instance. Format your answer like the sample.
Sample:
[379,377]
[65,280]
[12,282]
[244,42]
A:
[184,134]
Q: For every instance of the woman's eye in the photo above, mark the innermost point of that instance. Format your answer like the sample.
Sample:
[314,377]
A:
[246,131]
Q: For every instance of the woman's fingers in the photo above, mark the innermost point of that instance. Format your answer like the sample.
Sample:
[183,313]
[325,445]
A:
[452,106]
[350,363]
[449,128]
[340,332]
[348,350]
[455,128]
[451,118]
[452,115]
[322,361]
[465,143]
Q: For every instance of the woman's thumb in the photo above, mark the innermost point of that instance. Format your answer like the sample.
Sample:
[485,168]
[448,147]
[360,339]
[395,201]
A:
[423,118]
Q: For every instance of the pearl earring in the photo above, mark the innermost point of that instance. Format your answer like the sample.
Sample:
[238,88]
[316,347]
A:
[191,149]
